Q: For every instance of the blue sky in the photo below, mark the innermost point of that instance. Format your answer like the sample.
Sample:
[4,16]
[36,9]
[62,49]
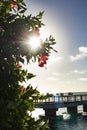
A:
[66,20]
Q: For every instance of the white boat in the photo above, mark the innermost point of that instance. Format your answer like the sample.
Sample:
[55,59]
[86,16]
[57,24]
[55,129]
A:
[66,116]
[84,113]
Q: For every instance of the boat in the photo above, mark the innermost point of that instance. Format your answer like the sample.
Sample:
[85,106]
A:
[84,114]
[66,116]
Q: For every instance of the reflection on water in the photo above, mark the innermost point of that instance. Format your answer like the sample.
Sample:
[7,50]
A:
[65,121]
[74,123]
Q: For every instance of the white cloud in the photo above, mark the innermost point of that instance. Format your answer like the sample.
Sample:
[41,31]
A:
[52,78]
[79,72]
[81,55]
[83,79]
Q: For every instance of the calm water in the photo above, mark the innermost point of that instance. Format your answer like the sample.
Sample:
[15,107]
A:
[74,123]
[64,122]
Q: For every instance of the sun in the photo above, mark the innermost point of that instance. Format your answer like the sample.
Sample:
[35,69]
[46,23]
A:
[34,43]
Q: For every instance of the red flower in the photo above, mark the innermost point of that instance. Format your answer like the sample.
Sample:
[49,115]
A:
[14,4]
[43,60]
[23,89]
[41,64]
[19,65]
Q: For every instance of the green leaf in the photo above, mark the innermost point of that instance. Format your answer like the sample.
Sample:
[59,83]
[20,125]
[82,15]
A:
[30,75]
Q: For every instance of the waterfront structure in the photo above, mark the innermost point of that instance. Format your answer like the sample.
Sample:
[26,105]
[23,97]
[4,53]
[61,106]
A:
[71,101]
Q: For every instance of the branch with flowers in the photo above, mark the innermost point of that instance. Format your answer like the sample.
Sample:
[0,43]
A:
[16,30]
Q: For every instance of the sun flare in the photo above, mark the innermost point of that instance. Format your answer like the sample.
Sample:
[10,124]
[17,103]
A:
[34,43]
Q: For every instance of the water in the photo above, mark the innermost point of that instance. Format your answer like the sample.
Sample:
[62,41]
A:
[74,123]
[64,121]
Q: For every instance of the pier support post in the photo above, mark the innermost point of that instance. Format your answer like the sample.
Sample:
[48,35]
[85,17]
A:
[85,108]
[72,110]
[50,113]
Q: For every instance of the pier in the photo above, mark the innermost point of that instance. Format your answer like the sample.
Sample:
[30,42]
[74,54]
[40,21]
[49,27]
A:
[53,102]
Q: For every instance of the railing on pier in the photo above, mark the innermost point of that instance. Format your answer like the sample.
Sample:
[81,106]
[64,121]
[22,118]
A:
[52,103]
[63,99]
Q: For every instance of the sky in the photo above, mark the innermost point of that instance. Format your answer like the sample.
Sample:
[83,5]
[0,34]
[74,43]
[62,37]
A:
[66,21]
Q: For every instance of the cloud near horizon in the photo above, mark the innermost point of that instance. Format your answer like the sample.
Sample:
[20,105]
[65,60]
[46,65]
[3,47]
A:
[82,79]
[81,55]
[80,72]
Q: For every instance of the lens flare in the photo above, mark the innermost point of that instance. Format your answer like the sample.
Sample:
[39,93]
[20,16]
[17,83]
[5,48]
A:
[34,43]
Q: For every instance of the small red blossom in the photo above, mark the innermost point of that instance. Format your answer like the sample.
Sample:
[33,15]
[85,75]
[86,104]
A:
[41,64]
[43,60]
[19,65]
[23,89]
[14,4]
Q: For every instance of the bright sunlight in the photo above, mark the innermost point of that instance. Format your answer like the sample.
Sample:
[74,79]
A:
[34,43]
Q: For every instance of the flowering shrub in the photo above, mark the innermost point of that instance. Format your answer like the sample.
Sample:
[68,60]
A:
[17,102]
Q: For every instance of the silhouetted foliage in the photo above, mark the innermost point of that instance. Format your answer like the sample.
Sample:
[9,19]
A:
[17,102]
